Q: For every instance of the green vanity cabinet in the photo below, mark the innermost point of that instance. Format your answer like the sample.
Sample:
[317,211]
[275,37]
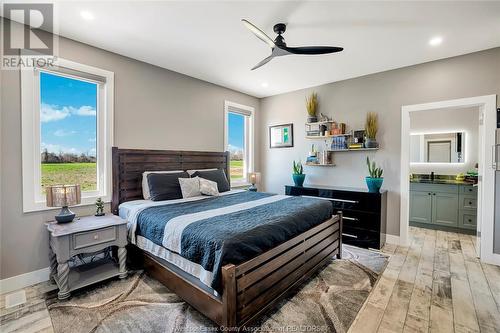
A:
[420,207]
[445,209]
[443,206]
[467,201]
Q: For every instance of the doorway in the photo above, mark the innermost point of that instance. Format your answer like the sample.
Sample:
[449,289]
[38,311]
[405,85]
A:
[486,177]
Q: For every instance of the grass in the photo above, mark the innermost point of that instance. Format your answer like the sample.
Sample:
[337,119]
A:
[84,174]
[236,169]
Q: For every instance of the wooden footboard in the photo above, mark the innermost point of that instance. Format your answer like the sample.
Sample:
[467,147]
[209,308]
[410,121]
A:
[253,287]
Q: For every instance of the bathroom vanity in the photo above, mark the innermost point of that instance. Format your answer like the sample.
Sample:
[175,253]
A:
[443,204]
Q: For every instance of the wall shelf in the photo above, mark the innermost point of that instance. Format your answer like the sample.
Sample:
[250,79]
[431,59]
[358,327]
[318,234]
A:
[325,136]
[320,123]
[322,165]
[353,149]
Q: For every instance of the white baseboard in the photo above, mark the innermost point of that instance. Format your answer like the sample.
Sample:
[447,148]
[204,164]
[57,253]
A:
[392,239]
[24,280]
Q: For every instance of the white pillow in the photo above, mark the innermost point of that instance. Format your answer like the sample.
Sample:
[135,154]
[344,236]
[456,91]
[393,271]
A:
[190,172]
[208,187]
[145,185]
[190,187]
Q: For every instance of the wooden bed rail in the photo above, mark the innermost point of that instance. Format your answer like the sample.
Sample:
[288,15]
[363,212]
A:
[251,288]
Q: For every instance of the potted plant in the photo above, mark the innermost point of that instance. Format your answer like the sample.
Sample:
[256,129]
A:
[375,180]
[298,174]
[312,107]
[371,129]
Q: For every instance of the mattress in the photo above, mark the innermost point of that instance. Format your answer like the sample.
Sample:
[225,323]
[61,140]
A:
[202,234]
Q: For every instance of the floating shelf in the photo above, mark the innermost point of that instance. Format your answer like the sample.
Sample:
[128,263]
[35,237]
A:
[320,123]
[325,136]
[322,165]
[353,149]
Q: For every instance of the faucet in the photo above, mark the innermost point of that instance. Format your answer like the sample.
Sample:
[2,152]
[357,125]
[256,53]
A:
[432,176]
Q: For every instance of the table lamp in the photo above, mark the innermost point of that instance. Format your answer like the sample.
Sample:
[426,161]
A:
[254,178]
[63,196]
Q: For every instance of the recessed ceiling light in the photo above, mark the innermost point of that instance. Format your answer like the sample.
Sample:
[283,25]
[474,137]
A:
[86,15]
[264,84]
[435,41]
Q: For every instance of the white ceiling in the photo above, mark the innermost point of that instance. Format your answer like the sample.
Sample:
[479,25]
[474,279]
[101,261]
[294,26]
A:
[207,40]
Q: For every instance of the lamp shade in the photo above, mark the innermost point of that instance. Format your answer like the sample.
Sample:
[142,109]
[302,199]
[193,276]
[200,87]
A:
[254,177]
[63,195]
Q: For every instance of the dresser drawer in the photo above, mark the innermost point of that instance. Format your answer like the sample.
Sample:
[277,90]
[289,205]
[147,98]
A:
[361,238]
[361,220]
[95,237]
[352,200]
[468,202]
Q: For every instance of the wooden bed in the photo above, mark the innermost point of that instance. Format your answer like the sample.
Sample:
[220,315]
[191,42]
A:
[250,288]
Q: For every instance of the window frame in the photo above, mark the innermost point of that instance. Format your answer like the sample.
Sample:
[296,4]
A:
[248,162]
[33,200]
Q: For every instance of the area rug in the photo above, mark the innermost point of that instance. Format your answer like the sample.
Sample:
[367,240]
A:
[328,302]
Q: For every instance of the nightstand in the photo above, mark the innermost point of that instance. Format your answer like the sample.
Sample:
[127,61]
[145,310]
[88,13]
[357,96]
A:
[89,234]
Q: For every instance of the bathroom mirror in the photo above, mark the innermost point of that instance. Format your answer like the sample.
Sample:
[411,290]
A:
[446,147]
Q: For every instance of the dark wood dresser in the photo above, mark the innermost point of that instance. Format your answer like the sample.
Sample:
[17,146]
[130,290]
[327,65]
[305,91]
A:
[365,213]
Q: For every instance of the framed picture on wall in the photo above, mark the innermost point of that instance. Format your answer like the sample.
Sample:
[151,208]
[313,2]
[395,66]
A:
[281,136]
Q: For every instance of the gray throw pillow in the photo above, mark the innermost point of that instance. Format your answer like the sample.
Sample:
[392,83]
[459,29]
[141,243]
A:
[165,186]
[218,176]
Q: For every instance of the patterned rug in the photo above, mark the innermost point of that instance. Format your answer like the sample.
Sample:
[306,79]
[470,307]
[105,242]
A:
[328,302]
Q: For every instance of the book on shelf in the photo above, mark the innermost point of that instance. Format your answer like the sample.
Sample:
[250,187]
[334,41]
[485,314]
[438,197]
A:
[312,133]
[339,143]
[355,146]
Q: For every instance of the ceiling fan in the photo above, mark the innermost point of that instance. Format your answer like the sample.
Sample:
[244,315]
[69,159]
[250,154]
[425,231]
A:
[279,48]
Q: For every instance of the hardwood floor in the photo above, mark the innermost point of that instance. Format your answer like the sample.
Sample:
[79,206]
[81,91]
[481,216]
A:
[436,284]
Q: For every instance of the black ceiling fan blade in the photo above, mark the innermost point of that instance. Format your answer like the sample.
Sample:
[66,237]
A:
[259,33]
[313,49]
[263,62]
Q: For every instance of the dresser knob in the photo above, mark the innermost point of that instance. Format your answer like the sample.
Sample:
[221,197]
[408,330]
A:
[96,236]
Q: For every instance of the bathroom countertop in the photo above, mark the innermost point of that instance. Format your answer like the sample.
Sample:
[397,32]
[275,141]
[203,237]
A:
[441,181]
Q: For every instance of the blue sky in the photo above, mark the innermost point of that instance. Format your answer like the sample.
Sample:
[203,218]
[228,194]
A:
[236,131]
[68,114]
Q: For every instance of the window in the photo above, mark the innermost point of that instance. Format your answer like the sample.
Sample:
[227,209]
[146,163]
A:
[238,140]
[67,131]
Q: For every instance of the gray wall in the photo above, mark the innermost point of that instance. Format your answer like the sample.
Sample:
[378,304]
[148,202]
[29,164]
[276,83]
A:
[348,101]
[154,108]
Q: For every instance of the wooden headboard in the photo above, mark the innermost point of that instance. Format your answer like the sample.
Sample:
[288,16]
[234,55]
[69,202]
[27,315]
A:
[129,164]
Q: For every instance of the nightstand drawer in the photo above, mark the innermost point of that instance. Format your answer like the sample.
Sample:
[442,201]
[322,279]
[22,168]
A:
[90,238]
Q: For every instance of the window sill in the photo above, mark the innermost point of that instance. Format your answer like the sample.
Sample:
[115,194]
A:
[240,185]
[40,206]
